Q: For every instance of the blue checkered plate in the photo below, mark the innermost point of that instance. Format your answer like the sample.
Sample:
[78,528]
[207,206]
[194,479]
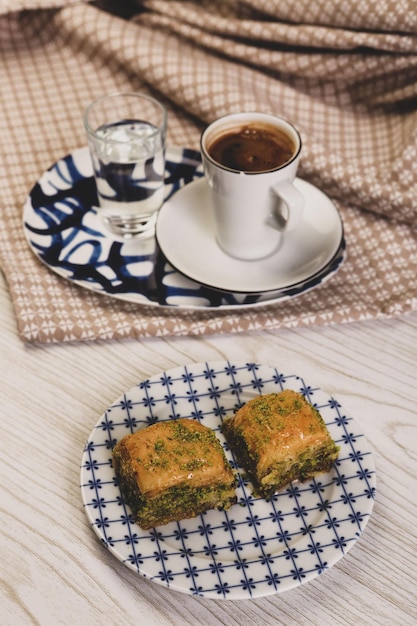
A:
[258,547]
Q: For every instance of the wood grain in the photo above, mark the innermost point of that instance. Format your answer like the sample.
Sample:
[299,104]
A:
[54,571]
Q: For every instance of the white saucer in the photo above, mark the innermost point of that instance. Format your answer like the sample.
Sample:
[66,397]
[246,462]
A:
[185,233]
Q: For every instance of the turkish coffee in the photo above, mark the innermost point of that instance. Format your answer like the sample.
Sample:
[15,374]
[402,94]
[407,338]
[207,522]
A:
[252,148]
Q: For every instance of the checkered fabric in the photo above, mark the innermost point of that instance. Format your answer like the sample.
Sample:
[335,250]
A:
[344,72]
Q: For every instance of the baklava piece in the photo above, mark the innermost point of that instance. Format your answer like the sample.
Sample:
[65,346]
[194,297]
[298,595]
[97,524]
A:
[173,470]
[279,438]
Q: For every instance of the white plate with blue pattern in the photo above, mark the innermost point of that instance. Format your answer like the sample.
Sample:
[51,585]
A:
[64,231]
[258,547]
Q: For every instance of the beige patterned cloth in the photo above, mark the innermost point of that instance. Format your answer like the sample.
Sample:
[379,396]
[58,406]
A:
[344,72]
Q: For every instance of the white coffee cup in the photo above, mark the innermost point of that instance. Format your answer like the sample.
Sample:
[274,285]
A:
[250,162]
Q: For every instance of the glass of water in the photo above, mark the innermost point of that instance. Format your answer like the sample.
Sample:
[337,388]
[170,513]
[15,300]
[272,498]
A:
[126,136]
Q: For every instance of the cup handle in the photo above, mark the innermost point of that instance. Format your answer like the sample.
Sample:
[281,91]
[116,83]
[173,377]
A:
[289,206]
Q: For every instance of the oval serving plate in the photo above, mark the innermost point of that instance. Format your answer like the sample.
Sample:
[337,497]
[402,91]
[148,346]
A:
[64,231]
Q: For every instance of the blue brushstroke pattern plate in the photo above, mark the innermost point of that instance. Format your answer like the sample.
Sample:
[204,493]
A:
[64,231]
[258,547]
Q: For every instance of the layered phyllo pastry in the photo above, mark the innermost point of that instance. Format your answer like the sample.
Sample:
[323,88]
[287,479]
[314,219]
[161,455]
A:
[173,470]
[279,438]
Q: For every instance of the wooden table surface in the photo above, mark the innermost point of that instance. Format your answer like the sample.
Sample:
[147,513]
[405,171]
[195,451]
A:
[55,571]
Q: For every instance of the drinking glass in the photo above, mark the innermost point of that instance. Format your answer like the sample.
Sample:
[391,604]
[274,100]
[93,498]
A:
[126,136]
